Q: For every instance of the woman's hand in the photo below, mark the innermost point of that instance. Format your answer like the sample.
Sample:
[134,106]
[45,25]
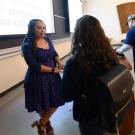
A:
[57,70]
[60,66]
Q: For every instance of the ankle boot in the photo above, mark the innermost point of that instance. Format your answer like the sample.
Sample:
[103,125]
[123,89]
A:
[49,129]
[40,128]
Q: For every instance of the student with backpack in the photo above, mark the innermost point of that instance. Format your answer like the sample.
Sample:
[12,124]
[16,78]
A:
[92,57]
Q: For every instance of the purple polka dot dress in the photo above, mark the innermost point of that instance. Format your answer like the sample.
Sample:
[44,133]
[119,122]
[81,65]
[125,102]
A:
[42,91]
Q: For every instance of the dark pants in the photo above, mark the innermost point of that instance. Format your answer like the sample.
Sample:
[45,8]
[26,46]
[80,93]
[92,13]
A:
[91,127]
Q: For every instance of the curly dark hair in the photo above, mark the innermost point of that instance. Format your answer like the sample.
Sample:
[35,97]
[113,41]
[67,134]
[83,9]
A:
[30,36]
[91,46]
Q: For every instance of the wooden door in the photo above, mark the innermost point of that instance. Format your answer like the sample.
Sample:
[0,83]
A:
[124,10]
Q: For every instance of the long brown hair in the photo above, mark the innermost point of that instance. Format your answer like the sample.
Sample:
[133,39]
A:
[91,46]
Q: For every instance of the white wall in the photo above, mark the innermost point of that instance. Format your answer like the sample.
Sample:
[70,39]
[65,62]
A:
[106,12]
[73,16]
[13,69]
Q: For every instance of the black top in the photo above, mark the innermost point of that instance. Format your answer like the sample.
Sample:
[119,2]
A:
[76,83]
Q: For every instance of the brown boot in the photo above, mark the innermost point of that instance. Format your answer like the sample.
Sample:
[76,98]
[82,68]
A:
[40,128]
[49,129]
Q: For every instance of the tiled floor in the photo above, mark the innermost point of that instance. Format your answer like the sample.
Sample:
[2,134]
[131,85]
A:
[15,120]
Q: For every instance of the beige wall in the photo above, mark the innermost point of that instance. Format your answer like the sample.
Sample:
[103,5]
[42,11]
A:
[12,71]
[106,12]
[13,68]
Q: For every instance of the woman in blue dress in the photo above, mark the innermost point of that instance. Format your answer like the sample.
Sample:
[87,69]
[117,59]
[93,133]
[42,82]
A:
[42,79]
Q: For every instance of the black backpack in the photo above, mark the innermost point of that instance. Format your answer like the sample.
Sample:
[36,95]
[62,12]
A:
[119,83]
[114,95]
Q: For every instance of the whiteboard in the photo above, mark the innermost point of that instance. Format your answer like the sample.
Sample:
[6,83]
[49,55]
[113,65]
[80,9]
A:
[16,14]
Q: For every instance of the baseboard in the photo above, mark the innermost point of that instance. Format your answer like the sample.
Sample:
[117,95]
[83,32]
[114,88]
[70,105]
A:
[11,89]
